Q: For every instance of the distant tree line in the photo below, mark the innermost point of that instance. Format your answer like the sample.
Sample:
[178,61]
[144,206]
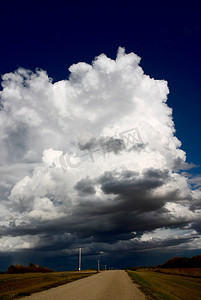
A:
[183,262]
[31,268]
[176,262]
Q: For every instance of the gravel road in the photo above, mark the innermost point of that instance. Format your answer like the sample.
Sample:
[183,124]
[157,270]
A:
[107,285]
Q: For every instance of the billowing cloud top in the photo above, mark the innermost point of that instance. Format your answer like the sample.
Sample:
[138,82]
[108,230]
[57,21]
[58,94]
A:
[92,160]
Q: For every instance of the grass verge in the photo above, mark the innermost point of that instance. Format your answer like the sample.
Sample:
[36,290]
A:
[192,272]
[166,286]
[13,286]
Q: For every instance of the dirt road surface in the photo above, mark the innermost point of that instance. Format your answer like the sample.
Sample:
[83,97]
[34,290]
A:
[107,285]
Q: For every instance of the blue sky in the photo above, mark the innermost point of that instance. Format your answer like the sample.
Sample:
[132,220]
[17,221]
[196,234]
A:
[52,36]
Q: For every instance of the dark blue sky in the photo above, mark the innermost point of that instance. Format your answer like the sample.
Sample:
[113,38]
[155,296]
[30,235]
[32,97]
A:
[53,35]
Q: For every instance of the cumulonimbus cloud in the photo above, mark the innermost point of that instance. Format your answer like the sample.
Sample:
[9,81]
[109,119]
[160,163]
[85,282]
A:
[92,158]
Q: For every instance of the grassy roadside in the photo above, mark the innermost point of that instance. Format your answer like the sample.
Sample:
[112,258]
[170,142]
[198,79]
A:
[166,286]
[14,286]
[192,272]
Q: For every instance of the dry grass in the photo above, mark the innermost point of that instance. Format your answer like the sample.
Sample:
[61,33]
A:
[192,272]
[167,286]
[14,286]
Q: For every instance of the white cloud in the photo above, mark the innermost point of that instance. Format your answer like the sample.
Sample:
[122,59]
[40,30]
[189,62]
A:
[11,244]
[166,233]
[42,120]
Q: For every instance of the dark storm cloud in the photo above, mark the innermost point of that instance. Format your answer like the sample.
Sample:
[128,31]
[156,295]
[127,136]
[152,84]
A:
[126,182]
[116,224]
[197,226]
[110,227]
[89,145]
[134,208]
[111,144]
[104,144]
[85,187]
[133,191]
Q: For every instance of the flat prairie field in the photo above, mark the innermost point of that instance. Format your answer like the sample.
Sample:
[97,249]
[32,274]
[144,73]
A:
[192,272]
[167,286]
[13,286]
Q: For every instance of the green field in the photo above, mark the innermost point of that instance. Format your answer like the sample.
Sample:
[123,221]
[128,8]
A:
[166,286]
[14,286]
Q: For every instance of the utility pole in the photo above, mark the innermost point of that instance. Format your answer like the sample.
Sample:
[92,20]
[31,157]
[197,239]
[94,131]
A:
[80,254]
[98,265]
